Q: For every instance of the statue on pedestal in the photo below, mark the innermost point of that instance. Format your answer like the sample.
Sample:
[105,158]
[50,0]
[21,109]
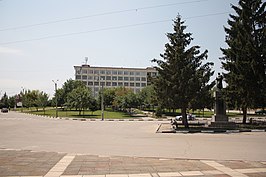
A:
[220,119]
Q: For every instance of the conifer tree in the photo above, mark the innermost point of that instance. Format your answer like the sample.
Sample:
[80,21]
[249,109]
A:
[182,76]
[244,59]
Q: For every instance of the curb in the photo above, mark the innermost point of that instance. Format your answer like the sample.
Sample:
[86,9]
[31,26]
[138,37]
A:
[210,131]
[99,119]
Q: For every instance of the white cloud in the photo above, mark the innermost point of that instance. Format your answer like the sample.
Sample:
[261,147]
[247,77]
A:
[7,50]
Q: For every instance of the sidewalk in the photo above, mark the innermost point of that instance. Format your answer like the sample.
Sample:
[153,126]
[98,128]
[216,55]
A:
[53,164]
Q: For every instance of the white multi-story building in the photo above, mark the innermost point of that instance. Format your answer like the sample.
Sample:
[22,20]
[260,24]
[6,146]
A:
[108,77]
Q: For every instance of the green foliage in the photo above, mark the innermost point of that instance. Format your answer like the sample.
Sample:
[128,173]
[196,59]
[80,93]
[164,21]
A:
[244,59]
[4,101]
[79,98]
[183,77]
[31,98]
[147,97]
[109,96]
[62,93]
[42,100]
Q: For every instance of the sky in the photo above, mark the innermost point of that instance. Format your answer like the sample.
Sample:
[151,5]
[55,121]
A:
[41,41]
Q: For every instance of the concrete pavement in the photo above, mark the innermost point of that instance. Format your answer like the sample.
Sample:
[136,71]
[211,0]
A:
[124,138]
[37,146]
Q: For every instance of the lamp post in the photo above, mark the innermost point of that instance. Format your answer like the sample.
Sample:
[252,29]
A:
[102,106]
[22,98]
[55,85]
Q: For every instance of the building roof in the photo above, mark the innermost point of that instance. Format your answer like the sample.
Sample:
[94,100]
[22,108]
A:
[108,67]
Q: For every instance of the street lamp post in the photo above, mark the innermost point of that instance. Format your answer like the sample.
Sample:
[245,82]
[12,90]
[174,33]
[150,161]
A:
[102,106]
[22,99]
[55,85]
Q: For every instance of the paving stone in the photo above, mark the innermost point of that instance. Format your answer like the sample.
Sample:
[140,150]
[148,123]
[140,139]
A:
[240,164]
[169,174]
[139,175]
[191,173]
[256,174]
[116,175]
[212,172]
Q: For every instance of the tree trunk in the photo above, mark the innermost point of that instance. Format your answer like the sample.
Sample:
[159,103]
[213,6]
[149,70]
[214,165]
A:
[184,117]
[244,109]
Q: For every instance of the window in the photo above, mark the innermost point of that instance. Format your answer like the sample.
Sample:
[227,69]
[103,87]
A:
[96,89]
[90,72]
[131,73]
[102,78]
[143,84]
[108,72]
[125,72]
[96,83]
[143,79]
[143,73]
[77,71]
[84,77]
[102,83]
[120,78]
[78,77]
[96,71]
[102,71]
[114,83]
[132,78]
[114,78]
[108,78]
[108,83]
[132,84]
[120,83]
[96,78]
[137,78]
[84,71]
[90,78]
[137,73]
[120,72]
[114,72]
[126,84]
[137,84]
[84,82]
[126,78]
[90,83]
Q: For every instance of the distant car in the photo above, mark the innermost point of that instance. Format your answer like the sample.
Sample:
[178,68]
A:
[4,110]
[189,117]
[260,112]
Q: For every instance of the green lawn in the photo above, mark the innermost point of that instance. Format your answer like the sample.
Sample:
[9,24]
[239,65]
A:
[108,114]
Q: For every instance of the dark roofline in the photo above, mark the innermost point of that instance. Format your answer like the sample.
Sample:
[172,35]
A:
[108,67]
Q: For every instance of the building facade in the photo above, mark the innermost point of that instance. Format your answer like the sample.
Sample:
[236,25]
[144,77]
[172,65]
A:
[108,77]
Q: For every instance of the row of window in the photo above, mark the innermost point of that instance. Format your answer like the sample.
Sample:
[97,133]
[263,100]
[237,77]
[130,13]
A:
[112,72]
[114,78]
[97,89]
[114,84]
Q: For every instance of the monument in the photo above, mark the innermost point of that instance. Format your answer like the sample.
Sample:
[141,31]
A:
[220,118]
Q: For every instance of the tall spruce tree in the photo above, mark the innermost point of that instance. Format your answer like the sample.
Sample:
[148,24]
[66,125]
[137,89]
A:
[244,59]
[182,75]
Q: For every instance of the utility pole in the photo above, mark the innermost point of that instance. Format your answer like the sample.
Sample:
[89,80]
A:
[55,85]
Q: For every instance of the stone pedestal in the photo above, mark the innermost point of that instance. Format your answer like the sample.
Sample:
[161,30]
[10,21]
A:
[220,120]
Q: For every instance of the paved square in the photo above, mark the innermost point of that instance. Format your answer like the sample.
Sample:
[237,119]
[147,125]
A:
[26,163]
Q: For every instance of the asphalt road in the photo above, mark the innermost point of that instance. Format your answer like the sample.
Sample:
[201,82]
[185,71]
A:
[125,138]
